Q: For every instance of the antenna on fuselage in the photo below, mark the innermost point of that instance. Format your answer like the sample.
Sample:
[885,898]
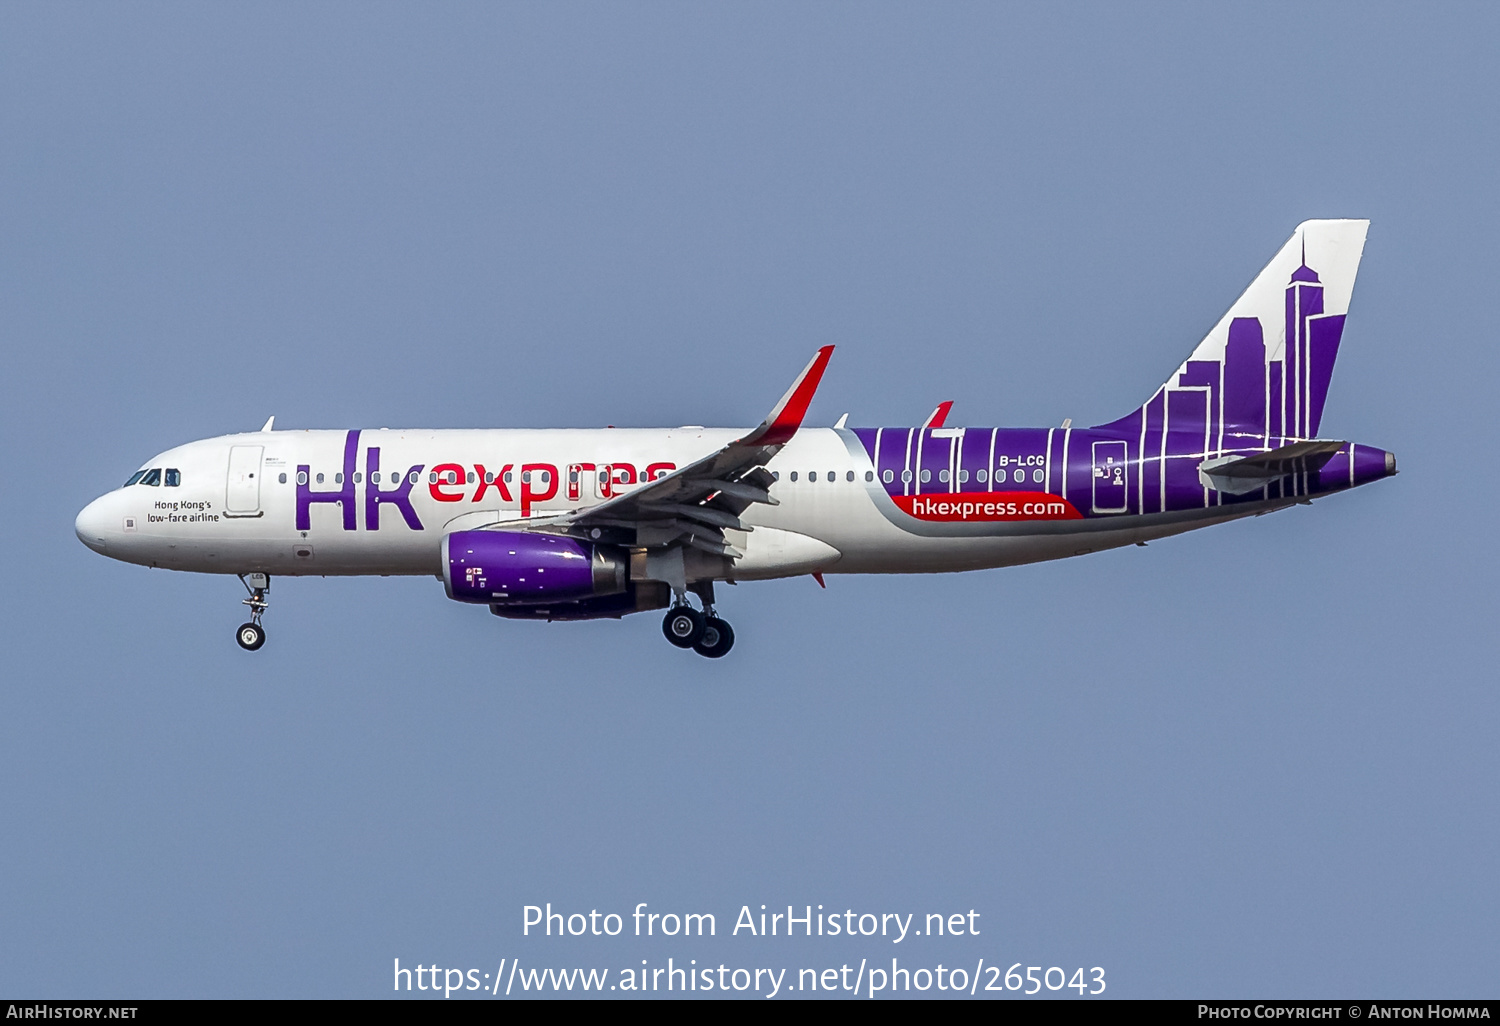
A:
[269,421]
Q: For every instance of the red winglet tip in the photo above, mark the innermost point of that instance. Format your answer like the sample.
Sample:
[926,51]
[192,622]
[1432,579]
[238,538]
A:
[939,416]
[794,407]
[819,577]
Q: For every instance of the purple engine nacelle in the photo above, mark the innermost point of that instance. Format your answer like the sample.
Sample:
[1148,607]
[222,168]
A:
[499,568]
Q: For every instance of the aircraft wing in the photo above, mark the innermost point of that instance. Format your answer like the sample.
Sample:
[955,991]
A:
[694,504]
[1236,475]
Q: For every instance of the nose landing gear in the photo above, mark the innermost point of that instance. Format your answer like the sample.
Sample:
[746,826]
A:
[252,635]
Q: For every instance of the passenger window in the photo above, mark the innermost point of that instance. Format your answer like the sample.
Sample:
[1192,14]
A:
[174,477]
[302,477]
[926,476]
[508,477]
[887,476]
[981,475]
[1020,476]
[794,475]
[281,478]
[356,477]
[489,477]
[906,477]
[833,475]
[812,475]
[414,477]
[963,477]
[526,477]
[152,478]
[319,479]
[338,478]
[775,475]
[603,477]
[1037,475]
[431,477]
[469,478]
[134,478]
[943,476]
[849,476]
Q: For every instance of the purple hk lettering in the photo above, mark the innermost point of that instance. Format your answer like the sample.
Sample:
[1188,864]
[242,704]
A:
[400,496]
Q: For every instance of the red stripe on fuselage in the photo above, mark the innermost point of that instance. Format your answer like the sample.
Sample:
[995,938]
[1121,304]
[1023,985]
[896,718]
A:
[963,507]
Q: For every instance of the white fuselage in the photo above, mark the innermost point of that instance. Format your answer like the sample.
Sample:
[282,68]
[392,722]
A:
[236,507]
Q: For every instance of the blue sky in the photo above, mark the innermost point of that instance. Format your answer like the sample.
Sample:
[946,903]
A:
[1255,760]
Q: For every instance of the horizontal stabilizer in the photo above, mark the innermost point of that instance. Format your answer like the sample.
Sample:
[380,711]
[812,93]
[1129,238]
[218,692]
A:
[1237,475]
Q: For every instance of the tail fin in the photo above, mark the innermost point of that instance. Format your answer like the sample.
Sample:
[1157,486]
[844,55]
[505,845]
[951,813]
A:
[1263,371]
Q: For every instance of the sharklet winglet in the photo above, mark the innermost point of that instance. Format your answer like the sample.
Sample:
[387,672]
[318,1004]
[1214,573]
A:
[938,417]
[786,416]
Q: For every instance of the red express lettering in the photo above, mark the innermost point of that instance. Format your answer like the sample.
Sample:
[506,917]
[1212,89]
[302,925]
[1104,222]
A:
[539,481]
[495,481]
[440,473]
[530,493]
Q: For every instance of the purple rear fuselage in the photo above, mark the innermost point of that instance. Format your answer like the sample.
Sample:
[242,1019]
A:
[1099,472]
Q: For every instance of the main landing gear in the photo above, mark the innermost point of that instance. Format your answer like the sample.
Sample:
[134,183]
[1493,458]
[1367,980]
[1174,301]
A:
[252,635]
[703,632]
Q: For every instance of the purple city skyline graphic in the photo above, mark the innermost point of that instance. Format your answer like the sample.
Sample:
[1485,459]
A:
[1250,399]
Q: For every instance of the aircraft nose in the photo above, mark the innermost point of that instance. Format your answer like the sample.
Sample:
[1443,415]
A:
[93,524]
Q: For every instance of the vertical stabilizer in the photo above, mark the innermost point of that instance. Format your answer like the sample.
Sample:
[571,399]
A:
[1261,375]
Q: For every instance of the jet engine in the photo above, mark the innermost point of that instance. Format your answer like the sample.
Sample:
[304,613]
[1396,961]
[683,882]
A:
[515,567]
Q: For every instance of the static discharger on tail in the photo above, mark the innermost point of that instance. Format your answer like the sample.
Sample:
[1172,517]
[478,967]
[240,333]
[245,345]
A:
[590,524]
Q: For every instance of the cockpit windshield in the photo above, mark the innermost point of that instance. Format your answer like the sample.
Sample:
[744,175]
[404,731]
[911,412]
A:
[153,477]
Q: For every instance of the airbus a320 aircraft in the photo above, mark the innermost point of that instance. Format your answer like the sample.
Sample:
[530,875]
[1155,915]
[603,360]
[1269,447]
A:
[585,524]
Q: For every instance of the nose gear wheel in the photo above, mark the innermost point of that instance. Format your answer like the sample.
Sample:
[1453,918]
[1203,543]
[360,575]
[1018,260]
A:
[252,635]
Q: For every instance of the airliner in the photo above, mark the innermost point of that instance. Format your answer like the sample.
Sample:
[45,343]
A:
[600,523]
